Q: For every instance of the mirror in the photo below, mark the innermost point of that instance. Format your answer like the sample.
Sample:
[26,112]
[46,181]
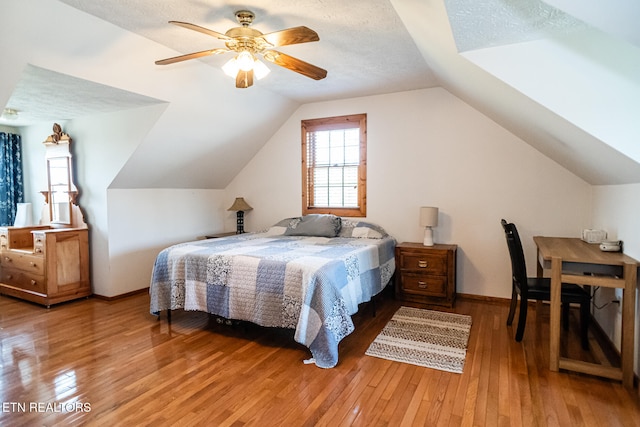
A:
[61,192]
[59,174]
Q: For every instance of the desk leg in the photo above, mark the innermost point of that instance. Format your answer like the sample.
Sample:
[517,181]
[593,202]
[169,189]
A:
[628,323]
[554,332]
[539,266]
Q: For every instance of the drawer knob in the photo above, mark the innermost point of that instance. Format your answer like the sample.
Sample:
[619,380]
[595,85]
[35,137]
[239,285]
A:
[33,282]
[33,264]
[8,259]
[422,285]
[38,250]
[9,276]
[423,264]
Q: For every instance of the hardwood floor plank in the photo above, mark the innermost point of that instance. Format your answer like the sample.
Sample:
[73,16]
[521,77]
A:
[131,369]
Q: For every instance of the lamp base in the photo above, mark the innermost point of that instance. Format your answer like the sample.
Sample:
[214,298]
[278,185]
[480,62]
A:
[428,237]
[240,222]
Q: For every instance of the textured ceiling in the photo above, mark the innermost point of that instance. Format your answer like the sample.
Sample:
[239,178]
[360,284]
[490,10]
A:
[489,23]
[62,97]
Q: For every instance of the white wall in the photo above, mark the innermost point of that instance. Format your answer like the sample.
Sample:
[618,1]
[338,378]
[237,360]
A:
[143,222]
[427,147]
[616,210]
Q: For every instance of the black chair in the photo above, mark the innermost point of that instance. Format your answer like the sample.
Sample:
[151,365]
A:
[539,289]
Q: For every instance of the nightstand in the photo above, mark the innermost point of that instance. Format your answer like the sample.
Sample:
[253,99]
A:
[426,274]
[218,235]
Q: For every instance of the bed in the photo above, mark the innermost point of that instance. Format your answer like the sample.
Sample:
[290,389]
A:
[308,274]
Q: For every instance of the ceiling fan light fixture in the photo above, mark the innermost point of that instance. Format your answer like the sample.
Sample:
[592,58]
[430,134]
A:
[10,113]
[234,65]
[245,60]
[260,70]
[231,68]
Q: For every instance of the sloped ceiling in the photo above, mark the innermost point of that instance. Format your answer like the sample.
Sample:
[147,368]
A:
[564,78]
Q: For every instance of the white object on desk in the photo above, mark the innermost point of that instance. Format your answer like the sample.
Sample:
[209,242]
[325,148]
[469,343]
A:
[611,246]
[593,236]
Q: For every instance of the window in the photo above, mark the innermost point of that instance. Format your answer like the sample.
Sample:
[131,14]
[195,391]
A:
[334,165]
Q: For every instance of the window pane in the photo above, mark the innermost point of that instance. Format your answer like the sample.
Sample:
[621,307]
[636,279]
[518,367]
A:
[321,177]
[335,196]
[350,175]
[322,157]
[351,196]
[321,197]
[337,155]
[352,155]
[335,176]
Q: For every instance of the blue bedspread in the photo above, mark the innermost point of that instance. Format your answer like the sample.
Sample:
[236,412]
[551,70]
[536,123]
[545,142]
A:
[310,284]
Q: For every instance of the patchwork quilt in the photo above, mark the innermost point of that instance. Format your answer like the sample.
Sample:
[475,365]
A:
[307,283]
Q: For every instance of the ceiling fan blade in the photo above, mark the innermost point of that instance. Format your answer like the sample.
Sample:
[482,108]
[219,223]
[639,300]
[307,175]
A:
[244,79]
[295,64]
[291,36]
[201,30]
[191,56]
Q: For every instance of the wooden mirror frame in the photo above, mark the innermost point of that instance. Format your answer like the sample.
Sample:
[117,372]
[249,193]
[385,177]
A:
[61,193]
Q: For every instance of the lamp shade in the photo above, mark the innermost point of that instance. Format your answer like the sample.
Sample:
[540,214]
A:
[240,205]
[428,216]
[24,215]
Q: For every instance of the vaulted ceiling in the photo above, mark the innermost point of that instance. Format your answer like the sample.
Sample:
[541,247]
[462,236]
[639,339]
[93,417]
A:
[563,77]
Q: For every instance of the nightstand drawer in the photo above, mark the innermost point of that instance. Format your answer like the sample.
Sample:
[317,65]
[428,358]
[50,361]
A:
[424,285]
[431,263]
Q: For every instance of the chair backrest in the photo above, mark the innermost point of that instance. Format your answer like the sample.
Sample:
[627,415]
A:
[518,264]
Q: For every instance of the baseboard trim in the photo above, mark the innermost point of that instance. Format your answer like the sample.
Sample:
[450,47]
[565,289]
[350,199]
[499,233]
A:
[484,298]
[121,296]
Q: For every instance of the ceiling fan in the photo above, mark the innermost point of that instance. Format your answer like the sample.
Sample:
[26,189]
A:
[248,43]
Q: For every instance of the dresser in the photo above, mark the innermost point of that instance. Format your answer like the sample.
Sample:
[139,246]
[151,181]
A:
[44,265]
[49,263]
[426,274]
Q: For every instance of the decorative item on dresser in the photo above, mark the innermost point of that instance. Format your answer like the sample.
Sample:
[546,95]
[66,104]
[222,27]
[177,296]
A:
[426,274]
[49,263]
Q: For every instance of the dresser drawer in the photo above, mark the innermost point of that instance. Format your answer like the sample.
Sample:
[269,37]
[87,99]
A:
[33,264]
[39,243]
[4,241]
[23,279]
[424,285]
[429,263]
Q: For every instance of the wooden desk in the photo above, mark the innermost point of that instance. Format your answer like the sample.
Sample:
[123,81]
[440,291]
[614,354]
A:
[569,259]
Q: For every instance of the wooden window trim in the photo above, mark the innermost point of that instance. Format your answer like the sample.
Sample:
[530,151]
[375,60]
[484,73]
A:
[329,123]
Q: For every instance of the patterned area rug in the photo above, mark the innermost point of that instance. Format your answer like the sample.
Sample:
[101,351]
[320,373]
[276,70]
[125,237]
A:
[428,338]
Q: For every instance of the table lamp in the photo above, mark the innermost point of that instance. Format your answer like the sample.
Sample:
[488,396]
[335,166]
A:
[428,219]
[240,206]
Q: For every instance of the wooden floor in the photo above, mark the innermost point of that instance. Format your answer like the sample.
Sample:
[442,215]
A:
[94,362]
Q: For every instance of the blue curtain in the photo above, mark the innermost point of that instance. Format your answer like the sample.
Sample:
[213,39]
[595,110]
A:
[11,184]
